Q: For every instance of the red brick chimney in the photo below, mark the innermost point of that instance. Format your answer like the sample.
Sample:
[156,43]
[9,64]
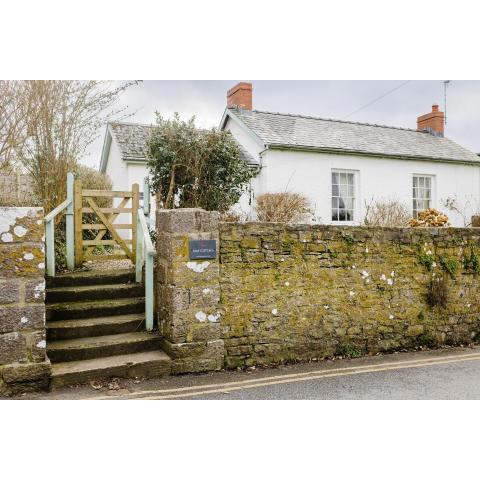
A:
[240,96]
[433,122]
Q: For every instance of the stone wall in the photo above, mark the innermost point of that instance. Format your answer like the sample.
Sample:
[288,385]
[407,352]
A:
[23,362]
[279,293]
[188,291]
[300,292]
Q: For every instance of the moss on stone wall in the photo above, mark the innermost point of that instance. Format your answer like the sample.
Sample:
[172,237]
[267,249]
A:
[23,362]
[298,292]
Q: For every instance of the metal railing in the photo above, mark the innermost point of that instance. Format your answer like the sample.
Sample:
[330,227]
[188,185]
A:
[50,230]
[145,255]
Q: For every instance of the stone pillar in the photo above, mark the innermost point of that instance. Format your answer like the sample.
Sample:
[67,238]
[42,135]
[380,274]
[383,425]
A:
[24,365]
[188,292]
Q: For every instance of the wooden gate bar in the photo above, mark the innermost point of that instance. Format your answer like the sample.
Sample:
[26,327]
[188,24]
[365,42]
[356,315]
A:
[101,226]
[106,215]
[103,230]
[106,193]
[106,210]
[110,228]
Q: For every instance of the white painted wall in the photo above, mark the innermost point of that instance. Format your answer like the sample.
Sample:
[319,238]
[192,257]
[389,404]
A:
[116,168]
[309,173]
[250,144]
[246,205]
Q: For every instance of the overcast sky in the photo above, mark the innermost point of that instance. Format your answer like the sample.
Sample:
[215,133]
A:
[329,99]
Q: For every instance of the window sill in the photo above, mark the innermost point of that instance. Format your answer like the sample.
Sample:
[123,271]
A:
[352,223]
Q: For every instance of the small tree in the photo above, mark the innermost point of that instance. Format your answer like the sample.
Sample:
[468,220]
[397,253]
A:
[61,118]
[13,120]
[195,168]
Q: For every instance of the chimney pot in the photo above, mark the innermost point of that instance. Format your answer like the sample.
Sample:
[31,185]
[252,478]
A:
[240,96]
[433,122]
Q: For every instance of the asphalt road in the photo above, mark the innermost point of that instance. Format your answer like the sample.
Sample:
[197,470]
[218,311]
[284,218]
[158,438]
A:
[440,374]
[447,381]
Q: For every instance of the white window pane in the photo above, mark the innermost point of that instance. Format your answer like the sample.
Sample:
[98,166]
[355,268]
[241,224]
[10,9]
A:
[427,182]
[343,196]
[415,181]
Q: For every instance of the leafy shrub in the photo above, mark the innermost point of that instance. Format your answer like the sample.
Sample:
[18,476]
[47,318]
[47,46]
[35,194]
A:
[350,351]
[449,265]
[386,213]
[195,168]
[471,262]
[92,179]
[283,207]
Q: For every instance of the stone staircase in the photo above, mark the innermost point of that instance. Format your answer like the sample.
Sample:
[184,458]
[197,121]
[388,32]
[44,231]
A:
[96,329]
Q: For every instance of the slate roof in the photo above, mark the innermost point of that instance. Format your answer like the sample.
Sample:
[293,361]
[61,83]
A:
[132,140]
[297,131]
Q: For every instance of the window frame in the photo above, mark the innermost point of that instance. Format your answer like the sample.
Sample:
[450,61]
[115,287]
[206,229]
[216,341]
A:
[355,197]
[423,198]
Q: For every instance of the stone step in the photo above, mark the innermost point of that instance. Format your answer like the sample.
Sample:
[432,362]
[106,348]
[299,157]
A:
[94,292]
[99,347]
[93,327]
[94,308]
[99,277]
[143,365]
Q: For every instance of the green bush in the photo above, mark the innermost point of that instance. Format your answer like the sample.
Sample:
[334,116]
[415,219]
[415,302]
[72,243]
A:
[195,168]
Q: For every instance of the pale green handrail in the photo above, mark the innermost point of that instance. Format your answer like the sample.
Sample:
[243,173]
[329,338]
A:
[145,255]
[50,230]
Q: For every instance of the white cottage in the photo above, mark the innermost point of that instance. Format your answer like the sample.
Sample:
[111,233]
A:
[339,165]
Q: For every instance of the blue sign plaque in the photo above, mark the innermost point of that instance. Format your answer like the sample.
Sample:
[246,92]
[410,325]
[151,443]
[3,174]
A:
[202,249]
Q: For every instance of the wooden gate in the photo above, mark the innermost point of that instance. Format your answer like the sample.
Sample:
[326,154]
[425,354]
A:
[86,202]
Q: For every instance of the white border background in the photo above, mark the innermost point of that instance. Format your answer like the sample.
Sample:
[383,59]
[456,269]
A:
[235,40]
